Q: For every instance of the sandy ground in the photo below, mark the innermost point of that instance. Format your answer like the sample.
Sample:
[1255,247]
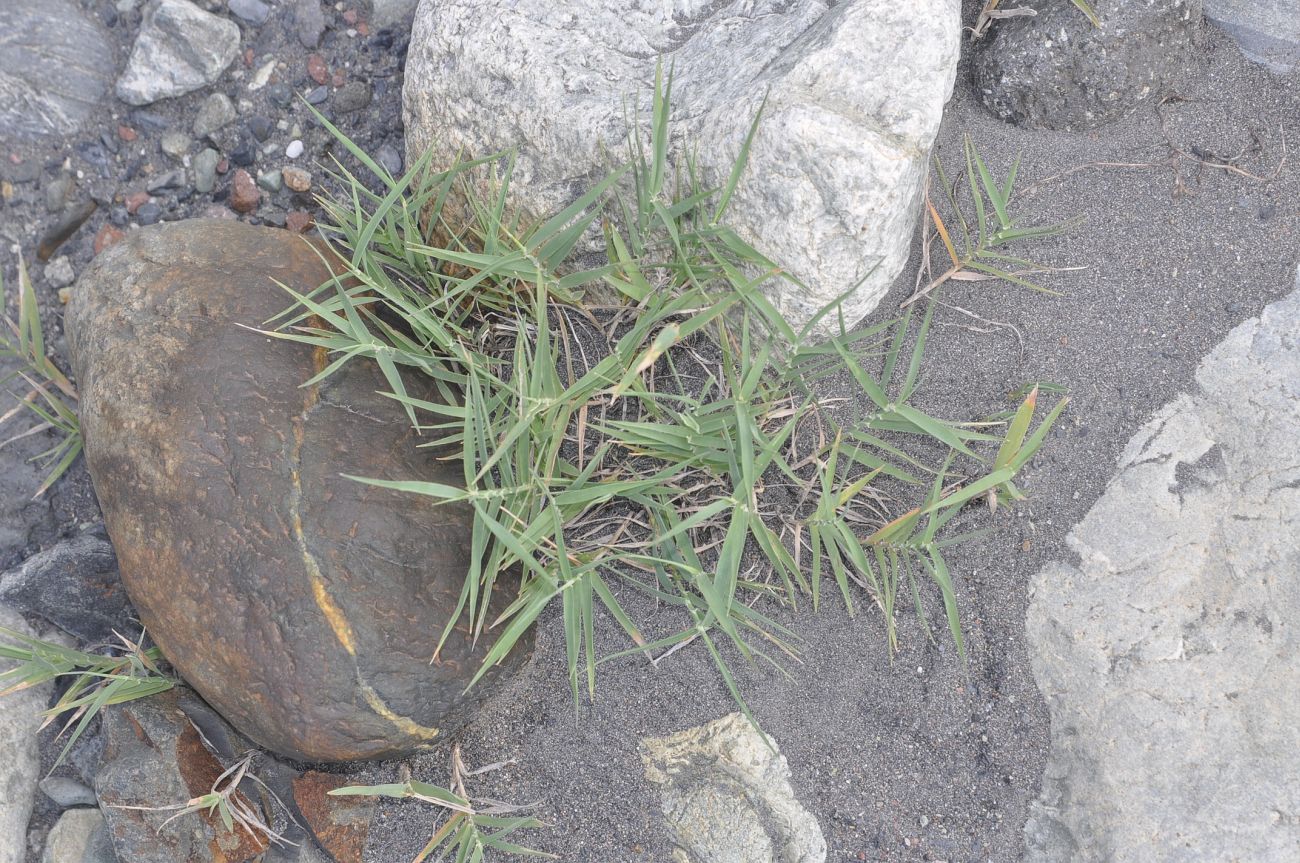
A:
[916,759]
[920,758]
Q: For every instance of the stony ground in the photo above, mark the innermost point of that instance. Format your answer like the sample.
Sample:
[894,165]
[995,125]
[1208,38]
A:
[914,758]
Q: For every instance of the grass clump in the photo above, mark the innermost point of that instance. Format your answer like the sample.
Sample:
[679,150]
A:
[95,680]
[671,444]
[50,395]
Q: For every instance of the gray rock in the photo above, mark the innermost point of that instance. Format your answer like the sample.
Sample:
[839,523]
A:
[216,112]
[179,49]
[167,180]
[159,751]
[67,792]
[58,191]
[390,159]
[252,11]
[75,586]
[55,67]
[1055,70]
[727,797]
[1268,31]
[59,273]
[175,144]
[855,92]
[71,836]
[149,213]
[308,22]
[1167,655]
[272,181]
[100,847]
[205,170]
[20,716]
[352,96]
[387,13]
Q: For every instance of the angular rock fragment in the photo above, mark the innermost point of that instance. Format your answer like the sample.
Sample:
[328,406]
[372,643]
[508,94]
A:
[854,94]
[179,49]
[727,797]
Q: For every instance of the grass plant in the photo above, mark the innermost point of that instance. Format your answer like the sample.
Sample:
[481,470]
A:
[95,680]
[473,827]
[671,445]
[50,395]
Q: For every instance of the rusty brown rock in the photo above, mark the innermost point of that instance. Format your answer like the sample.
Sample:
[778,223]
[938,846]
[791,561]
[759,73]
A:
[340,824]
[244,196]
[107,236]
[155,757]
[302,605]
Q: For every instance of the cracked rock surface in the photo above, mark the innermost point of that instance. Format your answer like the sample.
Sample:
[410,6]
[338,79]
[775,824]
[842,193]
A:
[852,95]
[1167,655]
[304,606]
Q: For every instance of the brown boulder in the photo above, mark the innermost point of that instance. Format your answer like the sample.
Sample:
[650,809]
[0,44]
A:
[304,606]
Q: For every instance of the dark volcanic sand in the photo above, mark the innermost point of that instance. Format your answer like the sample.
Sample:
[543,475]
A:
[912,760]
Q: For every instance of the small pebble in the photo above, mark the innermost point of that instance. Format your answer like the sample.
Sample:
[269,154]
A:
[317,69]
[243,154]
[126,133]
[62,790]
[175,144]
[119,216]
[294,150]
[260,126]
[308,22]
[135,201]
[272,181]
[390,158]
[64,295]
[352,97]
[262,75]
[217,111]
[318,95]
[252,11]
[205,170]
[279,94]
[58,272]
[297,179]
[57,192]
[298,221]
[148,214]
[244,196]
[169,180]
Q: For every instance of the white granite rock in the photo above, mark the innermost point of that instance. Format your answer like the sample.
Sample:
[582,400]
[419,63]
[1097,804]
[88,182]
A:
[179,49]
[855,92]
[1168,654]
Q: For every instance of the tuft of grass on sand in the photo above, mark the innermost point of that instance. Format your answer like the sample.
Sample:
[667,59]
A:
[669,444]
[50,393]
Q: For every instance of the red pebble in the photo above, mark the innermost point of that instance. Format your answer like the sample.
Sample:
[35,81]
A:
[317,69]
[244,196]
[223,166]
[248,58]
[298,221]
[107,236]
[126,133]
[363,28]
[136,201]
[350,17]
[339,79]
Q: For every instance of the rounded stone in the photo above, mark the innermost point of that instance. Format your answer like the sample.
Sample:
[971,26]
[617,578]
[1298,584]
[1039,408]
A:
[1056,70]
[304,606]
